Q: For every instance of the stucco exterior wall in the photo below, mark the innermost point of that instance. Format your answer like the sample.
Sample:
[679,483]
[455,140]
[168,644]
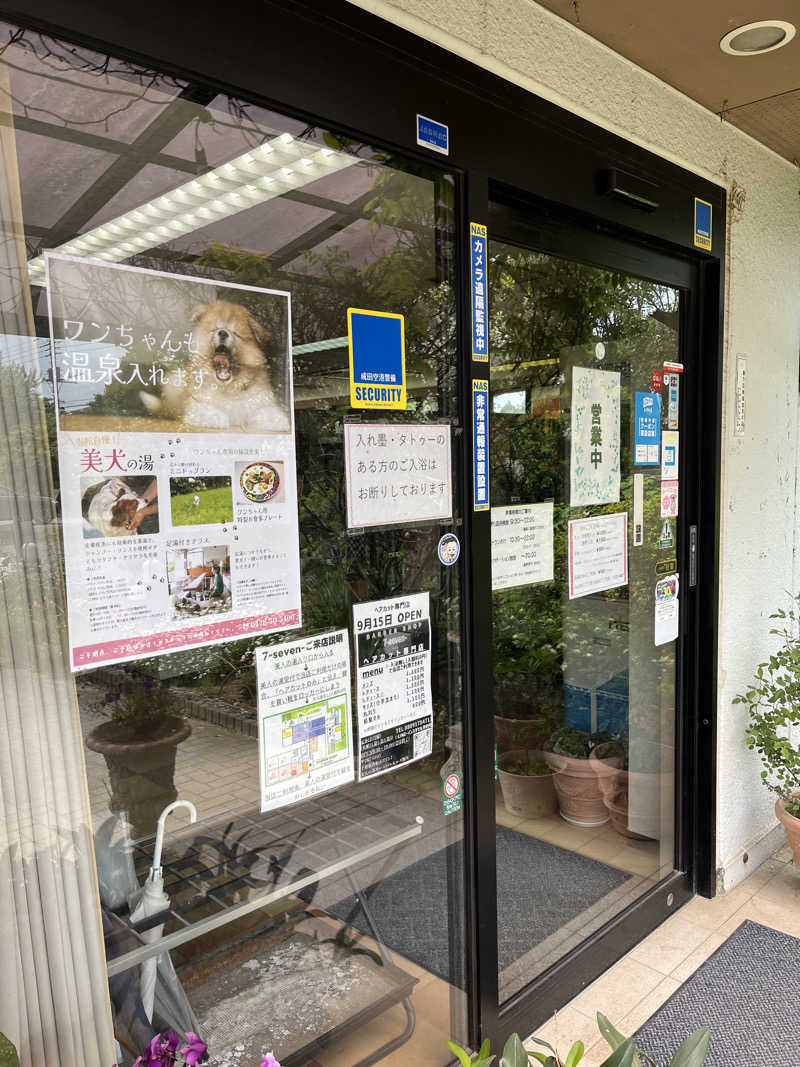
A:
[548,55]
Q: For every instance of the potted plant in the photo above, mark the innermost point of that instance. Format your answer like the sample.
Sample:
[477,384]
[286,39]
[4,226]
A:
[624,1051]
[580,800]
[8,1054]
[526,780]
[165,1050]
[610,762]
[528,673]
[139,744]
[773,701]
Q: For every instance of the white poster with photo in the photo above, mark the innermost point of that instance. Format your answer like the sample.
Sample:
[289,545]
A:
[397,473]
[598,554]
[177,459]
[522,545]
[393,683]
[594,451]
[304,723]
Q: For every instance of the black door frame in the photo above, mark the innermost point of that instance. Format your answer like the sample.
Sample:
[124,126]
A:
[502,138]
[532,224]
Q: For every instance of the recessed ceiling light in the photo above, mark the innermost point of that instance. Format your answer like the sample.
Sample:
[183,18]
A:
[755,38]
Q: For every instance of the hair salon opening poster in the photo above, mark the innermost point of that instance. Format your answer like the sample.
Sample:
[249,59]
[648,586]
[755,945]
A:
[177,459]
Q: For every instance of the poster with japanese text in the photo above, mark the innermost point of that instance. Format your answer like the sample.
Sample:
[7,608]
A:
[304,722]
[522,545]
[177,459]
[393,683]
[594,452]
[397,473]
[598,554]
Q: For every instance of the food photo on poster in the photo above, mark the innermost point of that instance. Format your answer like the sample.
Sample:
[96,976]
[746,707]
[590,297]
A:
[177,456]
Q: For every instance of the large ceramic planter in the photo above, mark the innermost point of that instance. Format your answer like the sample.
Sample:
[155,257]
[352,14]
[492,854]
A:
[141,773]
[615,786]
[533,796]
[791,825]
[513,735]
[580,799]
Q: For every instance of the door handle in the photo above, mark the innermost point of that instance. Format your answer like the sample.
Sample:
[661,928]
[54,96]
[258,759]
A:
[692,557]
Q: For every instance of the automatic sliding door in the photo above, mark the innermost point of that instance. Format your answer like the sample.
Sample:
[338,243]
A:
[584,433]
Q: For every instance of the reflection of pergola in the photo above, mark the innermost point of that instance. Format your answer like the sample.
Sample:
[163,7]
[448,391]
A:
[136,158]
[129,159]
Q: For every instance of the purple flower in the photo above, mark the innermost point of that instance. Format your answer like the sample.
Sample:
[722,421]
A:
[194,1049]
[269,1060]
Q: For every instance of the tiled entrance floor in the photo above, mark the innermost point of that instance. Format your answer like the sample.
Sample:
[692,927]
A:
[636,987]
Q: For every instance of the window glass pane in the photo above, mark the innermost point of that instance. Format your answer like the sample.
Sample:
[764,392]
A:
[583,560]
[331,927]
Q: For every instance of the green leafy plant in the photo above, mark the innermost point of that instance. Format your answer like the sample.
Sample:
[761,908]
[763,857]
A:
[530,766]
[141,708]
[8,1054]
[624,1052]
[612,750]
[692,1052]
[773,701]
[576,743]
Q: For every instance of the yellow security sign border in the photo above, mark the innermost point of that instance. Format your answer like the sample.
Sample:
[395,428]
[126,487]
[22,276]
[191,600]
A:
[390,395]
[700,240]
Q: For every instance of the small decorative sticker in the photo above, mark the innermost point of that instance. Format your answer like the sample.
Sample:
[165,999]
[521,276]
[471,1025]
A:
[449,549]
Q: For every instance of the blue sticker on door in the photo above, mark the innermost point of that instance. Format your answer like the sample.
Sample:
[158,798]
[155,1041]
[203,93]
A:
[647,429]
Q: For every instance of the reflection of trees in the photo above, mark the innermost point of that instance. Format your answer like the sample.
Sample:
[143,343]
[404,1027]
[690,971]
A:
[409,271]
[546,315]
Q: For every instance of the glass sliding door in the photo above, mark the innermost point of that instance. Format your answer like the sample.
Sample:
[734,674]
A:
[189,260]
[585,389]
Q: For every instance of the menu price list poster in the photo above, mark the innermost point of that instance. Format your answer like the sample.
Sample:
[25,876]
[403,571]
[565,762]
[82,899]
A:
[393,683]
[522,545]
[304,718]
[177,460]
[598,554]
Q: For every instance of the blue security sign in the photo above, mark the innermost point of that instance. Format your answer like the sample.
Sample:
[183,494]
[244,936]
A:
[702,224]
[647,429]
[376,341]
[433,134]
[480,321]
[480,444]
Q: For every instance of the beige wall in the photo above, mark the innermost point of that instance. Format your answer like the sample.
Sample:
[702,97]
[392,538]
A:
[530,46]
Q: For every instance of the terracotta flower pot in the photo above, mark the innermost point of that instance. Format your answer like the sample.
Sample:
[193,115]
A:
[580,799]
[530,795]
[513,735]
[141,773]
[791,825]
[610,775]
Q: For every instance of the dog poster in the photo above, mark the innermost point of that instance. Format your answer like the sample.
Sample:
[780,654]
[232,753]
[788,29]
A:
[177,459]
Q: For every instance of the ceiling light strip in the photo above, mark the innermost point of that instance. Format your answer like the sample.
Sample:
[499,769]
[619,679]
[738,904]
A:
[268,171]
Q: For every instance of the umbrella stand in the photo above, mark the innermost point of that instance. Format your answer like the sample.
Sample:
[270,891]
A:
[152,901]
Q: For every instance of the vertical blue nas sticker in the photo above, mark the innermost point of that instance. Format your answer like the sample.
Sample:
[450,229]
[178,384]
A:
[480,321]
[702,224]
[480,444]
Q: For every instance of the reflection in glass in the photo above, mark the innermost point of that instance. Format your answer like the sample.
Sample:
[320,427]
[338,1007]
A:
[319,930]
[584,697]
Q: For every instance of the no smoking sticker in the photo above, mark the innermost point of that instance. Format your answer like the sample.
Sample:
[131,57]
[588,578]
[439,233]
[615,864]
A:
[451,794]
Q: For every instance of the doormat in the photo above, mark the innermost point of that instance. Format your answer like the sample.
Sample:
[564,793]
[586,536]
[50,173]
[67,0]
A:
[746,993]
[541,887]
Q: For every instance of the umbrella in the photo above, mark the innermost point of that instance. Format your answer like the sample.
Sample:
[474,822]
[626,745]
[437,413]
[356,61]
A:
[152,901]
